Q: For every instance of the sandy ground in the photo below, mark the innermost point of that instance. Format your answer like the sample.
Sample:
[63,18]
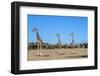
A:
[57,54]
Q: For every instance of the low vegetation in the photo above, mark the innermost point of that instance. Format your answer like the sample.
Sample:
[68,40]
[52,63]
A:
[33,45]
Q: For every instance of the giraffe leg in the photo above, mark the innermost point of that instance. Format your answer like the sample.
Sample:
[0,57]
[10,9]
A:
[38,54]
[40,49]
[60,52]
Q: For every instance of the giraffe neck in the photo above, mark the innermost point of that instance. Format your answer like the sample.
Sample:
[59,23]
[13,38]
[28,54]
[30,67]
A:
[38,37]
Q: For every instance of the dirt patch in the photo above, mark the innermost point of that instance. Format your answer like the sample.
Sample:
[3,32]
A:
[57,54]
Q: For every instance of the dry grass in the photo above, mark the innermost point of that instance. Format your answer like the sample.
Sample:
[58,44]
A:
[57,54]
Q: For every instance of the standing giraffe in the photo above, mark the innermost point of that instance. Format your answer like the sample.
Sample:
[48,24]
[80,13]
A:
[59,43]
[73,41]
[39,41]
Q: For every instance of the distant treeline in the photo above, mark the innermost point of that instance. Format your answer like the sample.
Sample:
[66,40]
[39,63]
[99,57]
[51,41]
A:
[33,45]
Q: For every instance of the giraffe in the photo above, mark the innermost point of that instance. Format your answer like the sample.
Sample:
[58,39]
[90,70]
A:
[73,41]
[59,44]
[39,41]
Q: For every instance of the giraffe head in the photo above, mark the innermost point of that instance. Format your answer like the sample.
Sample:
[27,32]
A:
[35,29]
